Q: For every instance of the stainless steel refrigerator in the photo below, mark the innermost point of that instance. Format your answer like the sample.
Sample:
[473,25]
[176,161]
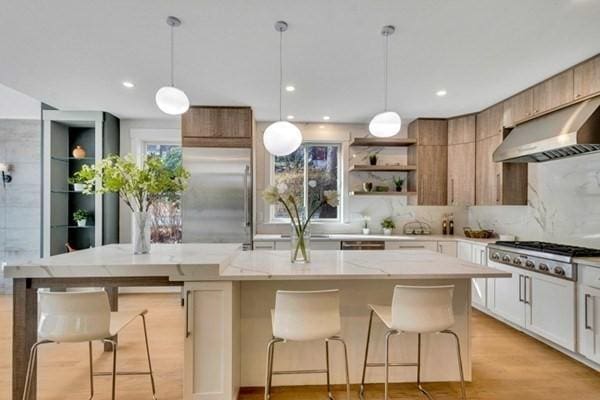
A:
[217,206]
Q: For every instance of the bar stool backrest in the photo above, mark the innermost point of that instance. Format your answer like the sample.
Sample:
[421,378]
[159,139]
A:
[422,309]
[74,316]
[306,315]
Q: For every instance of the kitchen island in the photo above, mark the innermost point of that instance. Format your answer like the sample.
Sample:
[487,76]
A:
[229,294]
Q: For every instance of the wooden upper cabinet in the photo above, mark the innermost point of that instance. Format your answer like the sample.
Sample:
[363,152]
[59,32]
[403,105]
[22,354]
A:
[488,174]
[429,132]
[461,161]
[490,122]
[586,78]
[553,92]
[204,126]
[518,108]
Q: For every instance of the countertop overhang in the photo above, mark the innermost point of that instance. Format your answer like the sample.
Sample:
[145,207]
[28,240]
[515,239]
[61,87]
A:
[207,261]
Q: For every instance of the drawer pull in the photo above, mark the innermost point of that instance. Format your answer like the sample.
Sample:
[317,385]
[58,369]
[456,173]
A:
[587,326]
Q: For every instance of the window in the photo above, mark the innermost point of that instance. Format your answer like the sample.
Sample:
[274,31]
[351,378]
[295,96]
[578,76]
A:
[308,172]
[165,214]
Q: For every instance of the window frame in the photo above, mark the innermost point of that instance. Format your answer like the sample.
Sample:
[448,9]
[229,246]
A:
[340,183]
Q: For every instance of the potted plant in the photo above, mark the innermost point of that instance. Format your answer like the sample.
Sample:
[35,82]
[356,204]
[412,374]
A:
[365,229]
[373,159]
[79,178]
[388,225]
[300,237]
[399,182]
[138,186]
[80,217]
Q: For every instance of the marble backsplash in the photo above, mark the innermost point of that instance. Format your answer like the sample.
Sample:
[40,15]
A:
[563,205]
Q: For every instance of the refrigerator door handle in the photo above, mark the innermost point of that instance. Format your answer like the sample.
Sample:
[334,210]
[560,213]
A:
[246,222]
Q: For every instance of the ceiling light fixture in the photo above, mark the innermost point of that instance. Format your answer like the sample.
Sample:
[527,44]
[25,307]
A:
[386,123]
[326,117]
[290,88]
[170,99]
[128,84]
[441,93]
[282,137]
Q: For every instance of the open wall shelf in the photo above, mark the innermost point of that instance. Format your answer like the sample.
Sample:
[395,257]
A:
[360,193]
[383,168]
[373,142]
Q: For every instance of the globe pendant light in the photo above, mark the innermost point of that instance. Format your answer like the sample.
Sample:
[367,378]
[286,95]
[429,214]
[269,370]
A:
[282,137]
[169,99]
[387,123]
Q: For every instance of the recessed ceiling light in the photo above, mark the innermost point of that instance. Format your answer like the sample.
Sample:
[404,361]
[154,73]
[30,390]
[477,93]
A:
[128,84]
[290,117]
[290,88]
[326,117]
[441,93]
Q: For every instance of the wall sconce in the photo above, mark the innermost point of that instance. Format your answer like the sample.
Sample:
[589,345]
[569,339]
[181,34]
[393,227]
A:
[6,178]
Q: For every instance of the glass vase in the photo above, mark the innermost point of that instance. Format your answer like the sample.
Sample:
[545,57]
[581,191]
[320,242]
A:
[141,233]
[300,246]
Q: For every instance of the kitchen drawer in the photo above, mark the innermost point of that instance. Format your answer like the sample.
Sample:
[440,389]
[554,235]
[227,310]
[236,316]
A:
[261,245]
[412,244]
[589,276]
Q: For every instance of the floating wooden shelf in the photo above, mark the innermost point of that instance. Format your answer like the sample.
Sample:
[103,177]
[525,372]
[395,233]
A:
[383,142]
[383,168]
[359,193]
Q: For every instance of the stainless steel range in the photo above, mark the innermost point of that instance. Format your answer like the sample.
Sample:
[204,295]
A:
[546,258]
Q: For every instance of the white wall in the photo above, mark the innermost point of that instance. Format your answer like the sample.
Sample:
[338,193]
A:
[563,204]
[16,105]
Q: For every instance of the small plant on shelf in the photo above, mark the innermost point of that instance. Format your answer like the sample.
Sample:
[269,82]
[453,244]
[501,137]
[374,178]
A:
[399,182]
[373,158]
[80,217]
[79,179]
[388,225]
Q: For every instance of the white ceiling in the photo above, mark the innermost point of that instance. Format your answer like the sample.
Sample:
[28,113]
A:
[74,54]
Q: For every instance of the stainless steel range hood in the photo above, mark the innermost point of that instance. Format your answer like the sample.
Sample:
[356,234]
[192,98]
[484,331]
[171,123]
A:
[572,131]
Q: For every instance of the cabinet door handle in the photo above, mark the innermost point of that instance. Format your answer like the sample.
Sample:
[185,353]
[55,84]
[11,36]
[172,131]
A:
[587,326]
[482,260]
[187,313]
[452,190]
[521,288]
[497,188]
[527,290]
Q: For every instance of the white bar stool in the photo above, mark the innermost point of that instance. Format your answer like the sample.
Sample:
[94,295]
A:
[415,309]
[76,317]
[303,316]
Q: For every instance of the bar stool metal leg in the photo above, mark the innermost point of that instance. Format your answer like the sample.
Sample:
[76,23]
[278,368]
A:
[421,388]
[460,367]
[148,355]
[361,393]
[339,339]
[269,375]
[329,395]
[31,368]
[114,367]
[388,334]
[91,371]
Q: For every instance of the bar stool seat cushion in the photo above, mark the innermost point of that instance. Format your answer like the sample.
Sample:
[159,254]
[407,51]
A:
[120,319]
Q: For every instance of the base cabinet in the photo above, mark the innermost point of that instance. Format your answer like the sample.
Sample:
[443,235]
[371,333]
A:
[589,322]
[479,285]
[212,341]
[508,296]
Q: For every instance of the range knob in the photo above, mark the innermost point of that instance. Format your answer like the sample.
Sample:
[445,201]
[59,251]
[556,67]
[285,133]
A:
[517,261]
[558,270]
[543,267]
[506,258]
[496,256]
[530,264]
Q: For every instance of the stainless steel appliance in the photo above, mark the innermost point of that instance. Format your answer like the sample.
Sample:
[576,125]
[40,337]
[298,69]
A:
[571,131]
[546,258]
[363,245]
[217,206]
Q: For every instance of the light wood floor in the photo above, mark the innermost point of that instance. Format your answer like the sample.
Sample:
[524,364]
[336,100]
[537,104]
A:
[507,365]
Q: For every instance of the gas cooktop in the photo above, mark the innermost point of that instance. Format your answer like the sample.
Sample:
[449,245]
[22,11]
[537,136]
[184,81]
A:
[552,248]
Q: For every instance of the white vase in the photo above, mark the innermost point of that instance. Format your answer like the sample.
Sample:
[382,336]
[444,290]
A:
[366,231]
[82,222]
[78,187]
[387,231]
[300,245]
[140,236]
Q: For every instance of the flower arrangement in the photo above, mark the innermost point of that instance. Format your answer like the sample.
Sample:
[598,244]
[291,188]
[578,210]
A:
[277,194]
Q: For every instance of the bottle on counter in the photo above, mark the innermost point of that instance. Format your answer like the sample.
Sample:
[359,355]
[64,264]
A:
[451,225]
[444,225]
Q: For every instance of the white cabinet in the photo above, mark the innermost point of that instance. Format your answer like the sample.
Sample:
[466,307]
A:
[589,322]
[412,244]
[212,341]
[447,247]
[479,286]
[464,250]
[550,308]
[508,295]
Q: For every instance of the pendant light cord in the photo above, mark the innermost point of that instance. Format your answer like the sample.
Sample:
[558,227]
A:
[385,73]
[280,71]
[172,56]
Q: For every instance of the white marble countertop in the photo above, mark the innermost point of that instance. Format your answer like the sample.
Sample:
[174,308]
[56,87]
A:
[198,262]
[591,261]
[372,264]
[177,261]
[357,236]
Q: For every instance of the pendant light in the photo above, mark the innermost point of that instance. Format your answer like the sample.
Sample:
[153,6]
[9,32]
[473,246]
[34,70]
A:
[282,137]
[169,99]
[387,123]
